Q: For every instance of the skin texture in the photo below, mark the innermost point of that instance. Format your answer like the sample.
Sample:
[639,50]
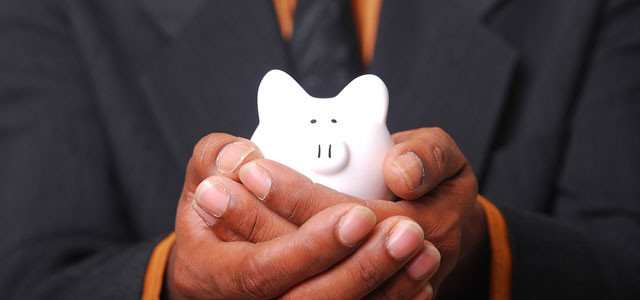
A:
[288,229]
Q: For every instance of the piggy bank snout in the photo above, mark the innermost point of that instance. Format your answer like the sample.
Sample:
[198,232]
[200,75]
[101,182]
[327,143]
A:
[328,156]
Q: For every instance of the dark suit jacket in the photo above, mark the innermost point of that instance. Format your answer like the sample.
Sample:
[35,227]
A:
[102,101]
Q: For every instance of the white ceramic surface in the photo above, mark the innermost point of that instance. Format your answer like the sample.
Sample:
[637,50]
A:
[339,142]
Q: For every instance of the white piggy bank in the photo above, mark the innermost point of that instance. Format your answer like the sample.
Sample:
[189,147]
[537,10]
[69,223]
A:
[339,142]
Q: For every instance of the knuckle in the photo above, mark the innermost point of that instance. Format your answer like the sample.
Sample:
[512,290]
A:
[438,157]
[202,153]
[319,194]
[422,131]
[432,132]
[253,227]
[251,287]
[439,132]
[448,145]
[300,202]
[254,282]
[369,273]
[436,148]
[316,195]
[204,143]
[442,136]
[433,228]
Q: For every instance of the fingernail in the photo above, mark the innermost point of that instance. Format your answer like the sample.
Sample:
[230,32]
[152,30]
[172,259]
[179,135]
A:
[426,293]
[411,168]
[424,263]
[206,217]
[232,155]
[255,179]
[213,198]
[405,237]
[355,225]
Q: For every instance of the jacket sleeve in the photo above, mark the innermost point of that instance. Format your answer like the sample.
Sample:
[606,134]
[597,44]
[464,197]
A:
[588,247]
[64,229]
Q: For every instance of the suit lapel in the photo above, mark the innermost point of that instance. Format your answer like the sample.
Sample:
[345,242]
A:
[444,68]
[205,78]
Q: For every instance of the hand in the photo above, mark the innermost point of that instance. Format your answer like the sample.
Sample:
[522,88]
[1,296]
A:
[308,261]
[425,165]
[422,159]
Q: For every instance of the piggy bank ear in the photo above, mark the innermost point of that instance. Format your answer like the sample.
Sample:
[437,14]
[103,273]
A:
[366,96]
[278,94]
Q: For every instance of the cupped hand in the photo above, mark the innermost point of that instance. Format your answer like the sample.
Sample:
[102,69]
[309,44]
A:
[340,252]
[425,168]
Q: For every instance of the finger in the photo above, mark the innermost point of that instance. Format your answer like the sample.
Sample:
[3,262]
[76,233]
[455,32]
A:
[222,202]
[425,293]
[190,215]
[287,192]
[240,270]
[296,198]
[413,278]
[221,232]
[216,153]
[392,244]
[222,154]
[402,136]
[324,240]
[420,160]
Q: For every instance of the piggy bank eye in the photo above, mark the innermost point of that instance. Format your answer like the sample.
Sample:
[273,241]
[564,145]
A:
[334,121]
[313,121]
